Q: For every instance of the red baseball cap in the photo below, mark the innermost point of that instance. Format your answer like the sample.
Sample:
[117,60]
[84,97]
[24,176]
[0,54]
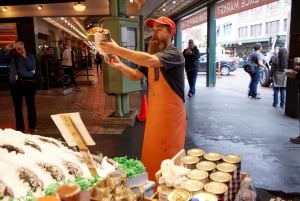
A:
[162,20]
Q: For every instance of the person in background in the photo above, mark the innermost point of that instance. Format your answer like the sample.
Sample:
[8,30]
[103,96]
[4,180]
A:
[98,61]
[296,75]
[68,63]
[50,68]
[163,65]
[256,57]
[191,55]
[22,64]
[279,63]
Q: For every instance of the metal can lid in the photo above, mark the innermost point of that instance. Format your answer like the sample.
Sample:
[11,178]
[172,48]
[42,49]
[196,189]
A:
[189,160]
[217,188]
[220,176]
[212,156]
[232,158]
[206,165]
[180,194]
[164,189]
[205,196]
[226,167]
[195,152]
[192,185]
[197,174]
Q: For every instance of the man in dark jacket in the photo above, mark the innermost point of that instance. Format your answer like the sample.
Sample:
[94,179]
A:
[191,55]
[296,75]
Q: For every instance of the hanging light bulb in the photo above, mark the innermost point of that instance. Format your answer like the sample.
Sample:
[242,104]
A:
[39,7]
[79,7]
[4,9]
[131,1]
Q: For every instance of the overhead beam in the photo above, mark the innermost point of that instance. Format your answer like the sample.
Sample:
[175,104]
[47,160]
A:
[28,2]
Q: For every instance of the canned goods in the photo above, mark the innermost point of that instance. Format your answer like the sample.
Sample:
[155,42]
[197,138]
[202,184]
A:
[194,186]
[225,178]
[196,152]
[213,156]
[163,192]
[190,161]
[180,194]
[236,160]
[203,196]
[199,175]
[207,166]
[232,170]
[217,188]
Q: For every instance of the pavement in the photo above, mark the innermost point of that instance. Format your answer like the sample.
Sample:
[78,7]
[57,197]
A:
[220,119]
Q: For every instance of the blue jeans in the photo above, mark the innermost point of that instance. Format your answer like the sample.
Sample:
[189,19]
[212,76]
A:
[282,96]
[192,78]
[253,83]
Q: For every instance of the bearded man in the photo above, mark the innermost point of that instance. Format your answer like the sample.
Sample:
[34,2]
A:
[163,66]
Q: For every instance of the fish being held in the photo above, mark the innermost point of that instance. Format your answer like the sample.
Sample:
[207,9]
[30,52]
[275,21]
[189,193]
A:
[102,35]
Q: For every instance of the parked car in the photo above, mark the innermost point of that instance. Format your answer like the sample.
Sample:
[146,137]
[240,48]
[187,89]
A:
[227,63]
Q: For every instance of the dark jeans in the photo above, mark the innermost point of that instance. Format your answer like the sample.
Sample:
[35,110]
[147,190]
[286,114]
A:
[17,96]
[253,84]
[68,72]
[282,96]
[192,78]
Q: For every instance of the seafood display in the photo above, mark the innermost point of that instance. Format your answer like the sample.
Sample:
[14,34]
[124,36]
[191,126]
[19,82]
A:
[30,163]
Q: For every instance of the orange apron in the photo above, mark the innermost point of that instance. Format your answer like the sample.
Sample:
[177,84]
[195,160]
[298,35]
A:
[165,125]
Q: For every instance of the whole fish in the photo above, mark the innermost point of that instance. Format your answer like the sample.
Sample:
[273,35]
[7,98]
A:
[54,170]
[31,178]
[5,190]
[102,35]
[11,148]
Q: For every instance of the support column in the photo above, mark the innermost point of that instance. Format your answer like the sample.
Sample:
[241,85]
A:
[294,51]
[211,44]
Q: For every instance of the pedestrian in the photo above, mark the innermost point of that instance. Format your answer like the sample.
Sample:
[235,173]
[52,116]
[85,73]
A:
[163,65]
[68,63]
[50,68]
[23,66]
[279,63]
[191,55]
[296,75]
[255,57]
[98,61]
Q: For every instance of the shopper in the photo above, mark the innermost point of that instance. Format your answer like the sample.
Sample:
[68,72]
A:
[255,57]
[191,55]
[279,63]
[50,68]
[163,65]
[23,65]
[68,62]
[296,74]
[98,61]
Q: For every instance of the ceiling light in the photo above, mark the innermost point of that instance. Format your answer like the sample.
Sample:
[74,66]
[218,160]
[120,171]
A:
[4,9]
[39,7]
[164,9]
[174,2]
[79,7]
[131,1]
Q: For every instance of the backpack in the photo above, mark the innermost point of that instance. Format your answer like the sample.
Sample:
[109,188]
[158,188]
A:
[251,65]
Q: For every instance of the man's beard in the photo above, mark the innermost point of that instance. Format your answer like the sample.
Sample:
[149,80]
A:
[157,46]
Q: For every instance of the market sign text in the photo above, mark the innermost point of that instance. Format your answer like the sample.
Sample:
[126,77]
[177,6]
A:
[224,8]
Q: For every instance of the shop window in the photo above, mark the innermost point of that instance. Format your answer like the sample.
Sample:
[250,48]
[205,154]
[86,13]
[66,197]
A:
[256,30]
[227,29]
